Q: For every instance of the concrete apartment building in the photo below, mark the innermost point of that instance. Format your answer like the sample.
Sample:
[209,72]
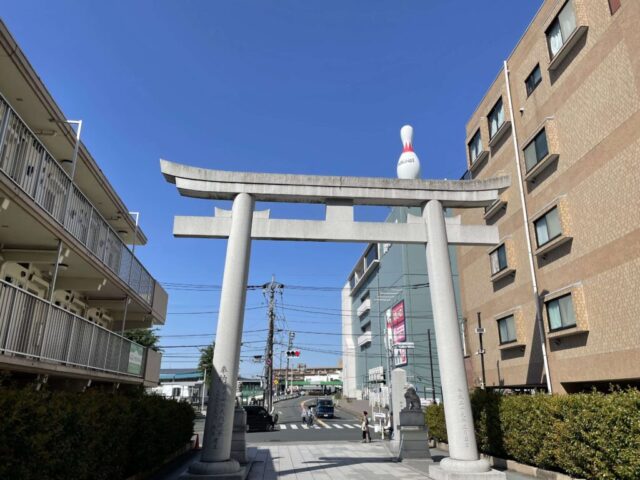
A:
[69,281]
[563,120]
[386,301]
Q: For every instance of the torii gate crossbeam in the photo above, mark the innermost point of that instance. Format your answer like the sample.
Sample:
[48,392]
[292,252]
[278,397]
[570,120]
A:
[339,194]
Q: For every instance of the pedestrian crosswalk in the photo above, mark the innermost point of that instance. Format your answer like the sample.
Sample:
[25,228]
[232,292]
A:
[317,426]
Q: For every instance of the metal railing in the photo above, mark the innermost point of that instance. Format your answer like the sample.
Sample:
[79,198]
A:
[32,327]
[25,160]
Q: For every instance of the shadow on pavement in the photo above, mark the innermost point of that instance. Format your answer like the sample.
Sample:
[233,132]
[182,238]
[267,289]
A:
[325,463]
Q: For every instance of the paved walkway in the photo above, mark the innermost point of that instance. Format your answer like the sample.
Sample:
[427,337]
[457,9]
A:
[327,461]
[323,461]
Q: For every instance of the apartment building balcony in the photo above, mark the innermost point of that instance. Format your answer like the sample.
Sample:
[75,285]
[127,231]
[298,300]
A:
[365,338]
[364,307]
[37,336]
[36,183]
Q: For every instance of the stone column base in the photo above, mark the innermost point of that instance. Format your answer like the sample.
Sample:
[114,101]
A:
[227,470]
[436,472]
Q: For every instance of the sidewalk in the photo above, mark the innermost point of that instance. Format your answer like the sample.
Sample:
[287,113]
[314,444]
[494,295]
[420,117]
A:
[323,460]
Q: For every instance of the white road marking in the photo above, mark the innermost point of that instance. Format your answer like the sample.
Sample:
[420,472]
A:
[283,427]
[294,426]
[348,426]
[327,426]
[335,425]
[305,426]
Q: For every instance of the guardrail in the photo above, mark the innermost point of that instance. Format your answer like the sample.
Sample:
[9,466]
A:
[25,160]
[285,397]
[34,328]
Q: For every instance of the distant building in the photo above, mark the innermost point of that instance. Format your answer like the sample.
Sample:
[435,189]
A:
[565,126]
[188,384]
[180,384]
[386,302]
[301,377]
[69,282]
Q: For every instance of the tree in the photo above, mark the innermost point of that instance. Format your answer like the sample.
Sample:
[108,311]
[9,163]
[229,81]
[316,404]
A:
[144,336]
[206,359]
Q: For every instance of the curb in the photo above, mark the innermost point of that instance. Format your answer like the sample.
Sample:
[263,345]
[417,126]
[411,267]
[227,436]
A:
[513,466]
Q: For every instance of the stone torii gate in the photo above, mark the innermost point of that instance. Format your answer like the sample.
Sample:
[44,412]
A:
[339,194]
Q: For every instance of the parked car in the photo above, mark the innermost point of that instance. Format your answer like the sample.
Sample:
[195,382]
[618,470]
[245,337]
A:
[259,419]
[324,408]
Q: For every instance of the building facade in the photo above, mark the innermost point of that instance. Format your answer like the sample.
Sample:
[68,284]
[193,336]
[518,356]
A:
[387,302]
[69,280]
[558,298]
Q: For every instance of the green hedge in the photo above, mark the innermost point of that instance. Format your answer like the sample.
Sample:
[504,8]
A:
[92,435]
[587,435]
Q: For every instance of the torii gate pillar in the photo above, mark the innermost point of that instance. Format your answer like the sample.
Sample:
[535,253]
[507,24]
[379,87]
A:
[216,461]
[463,450]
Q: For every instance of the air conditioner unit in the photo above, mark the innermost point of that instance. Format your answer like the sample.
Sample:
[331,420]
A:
[15,274]
[26,278]
[100,316]
[37,285]
[70,301]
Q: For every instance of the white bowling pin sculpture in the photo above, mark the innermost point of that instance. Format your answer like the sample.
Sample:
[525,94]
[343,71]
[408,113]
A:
[408,163]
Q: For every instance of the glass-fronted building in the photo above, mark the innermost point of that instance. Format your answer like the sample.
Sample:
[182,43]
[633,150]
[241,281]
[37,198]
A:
[388,320]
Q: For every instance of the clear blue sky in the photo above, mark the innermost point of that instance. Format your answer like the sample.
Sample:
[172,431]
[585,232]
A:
[272,86]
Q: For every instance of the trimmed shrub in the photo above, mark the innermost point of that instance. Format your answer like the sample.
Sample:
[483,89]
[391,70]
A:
[587,435]
[93,435]
[436,423]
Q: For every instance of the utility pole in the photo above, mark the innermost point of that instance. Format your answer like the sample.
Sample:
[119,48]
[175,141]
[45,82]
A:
[480,332]
[292,335]
[271,289]
[433,384]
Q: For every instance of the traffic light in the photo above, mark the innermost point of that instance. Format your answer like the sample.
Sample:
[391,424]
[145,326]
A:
[293,353]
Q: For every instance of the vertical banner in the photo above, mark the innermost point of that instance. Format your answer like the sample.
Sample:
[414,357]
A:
[135,359]
[399,333]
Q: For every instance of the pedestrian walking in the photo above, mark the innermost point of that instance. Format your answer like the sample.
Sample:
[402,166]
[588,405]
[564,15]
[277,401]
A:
[305,414]
[310,417]
[366,435]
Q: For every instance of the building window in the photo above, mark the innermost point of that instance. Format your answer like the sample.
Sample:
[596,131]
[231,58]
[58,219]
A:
[548,227]
[614,5]
[352,281]
[507,329]
[496,118]
[475,147]
[560,313]
[536,150]
[371,255]
[561,28]
[498,259]
[533,80]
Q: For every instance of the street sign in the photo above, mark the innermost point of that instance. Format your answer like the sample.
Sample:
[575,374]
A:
[379,415]
[275,382]
[479,329]
[407,345]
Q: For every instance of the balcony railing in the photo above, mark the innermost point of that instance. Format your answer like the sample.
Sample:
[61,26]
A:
[25,160]
[33,328]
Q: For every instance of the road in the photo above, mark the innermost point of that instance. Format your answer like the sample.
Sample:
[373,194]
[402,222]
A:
[343,427]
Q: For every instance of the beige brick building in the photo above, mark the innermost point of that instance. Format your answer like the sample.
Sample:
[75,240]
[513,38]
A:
[563,120]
